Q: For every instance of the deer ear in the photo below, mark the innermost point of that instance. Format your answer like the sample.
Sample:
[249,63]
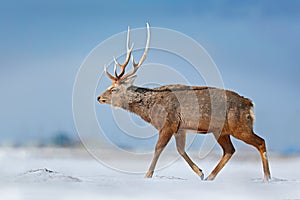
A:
[129,81]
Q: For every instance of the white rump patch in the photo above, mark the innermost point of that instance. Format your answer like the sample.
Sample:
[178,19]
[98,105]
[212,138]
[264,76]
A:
[252,113]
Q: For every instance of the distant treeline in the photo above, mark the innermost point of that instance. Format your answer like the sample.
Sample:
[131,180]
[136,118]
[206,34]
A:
[58,139]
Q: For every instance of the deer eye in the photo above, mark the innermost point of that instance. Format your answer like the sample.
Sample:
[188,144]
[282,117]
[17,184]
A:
[114,89]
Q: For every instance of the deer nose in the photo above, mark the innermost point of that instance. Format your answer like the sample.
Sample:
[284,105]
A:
[101,99]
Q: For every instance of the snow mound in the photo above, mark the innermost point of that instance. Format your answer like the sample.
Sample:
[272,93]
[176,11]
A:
[45,175]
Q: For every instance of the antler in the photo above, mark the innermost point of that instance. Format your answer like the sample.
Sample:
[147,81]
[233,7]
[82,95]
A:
[135,65]
[108,74]
[129,50]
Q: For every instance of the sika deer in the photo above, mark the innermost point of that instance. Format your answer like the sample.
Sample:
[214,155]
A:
[176,109]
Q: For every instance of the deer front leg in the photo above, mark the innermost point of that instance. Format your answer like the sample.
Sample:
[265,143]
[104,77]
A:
[164,137]
[180,144]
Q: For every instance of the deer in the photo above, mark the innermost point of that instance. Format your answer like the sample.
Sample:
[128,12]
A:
[177,109]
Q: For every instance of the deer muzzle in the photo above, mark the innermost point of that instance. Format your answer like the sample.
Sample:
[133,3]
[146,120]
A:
[101,99]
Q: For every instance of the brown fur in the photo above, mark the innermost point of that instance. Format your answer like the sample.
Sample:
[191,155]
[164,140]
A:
[176,109]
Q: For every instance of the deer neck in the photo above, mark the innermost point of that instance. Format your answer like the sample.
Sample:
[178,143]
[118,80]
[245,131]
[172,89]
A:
[140,101]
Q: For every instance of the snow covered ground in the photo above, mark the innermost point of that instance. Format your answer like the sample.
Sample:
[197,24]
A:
[74,174]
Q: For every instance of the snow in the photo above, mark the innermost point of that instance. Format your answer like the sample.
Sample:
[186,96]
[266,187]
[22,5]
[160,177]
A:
[74,174]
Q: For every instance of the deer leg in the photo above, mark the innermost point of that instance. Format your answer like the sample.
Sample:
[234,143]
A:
[259,143]
[180,144]
[163,139]
[228,150]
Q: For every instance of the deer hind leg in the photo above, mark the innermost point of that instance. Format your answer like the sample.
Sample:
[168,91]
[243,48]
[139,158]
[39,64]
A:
[180,144]
[228,150]
[258,142]
[164,137]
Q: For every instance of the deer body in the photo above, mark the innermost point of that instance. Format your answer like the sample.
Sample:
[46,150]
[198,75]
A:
[175,109]
[176,103]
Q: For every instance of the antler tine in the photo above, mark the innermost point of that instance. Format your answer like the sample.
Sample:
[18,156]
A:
[129,50]
[146,48]
[137,65]
[109,75]
[115,70]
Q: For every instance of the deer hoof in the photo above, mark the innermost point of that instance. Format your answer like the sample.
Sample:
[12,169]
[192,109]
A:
[209,178]
[202,176]
[148,175]
[267,179]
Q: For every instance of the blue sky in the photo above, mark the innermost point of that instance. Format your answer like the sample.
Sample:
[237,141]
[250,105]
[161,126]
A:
[255,45]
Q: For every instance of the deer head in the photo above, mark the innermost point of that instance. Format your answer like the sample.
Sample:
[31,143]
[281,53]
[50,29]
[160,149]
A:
[117,94]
